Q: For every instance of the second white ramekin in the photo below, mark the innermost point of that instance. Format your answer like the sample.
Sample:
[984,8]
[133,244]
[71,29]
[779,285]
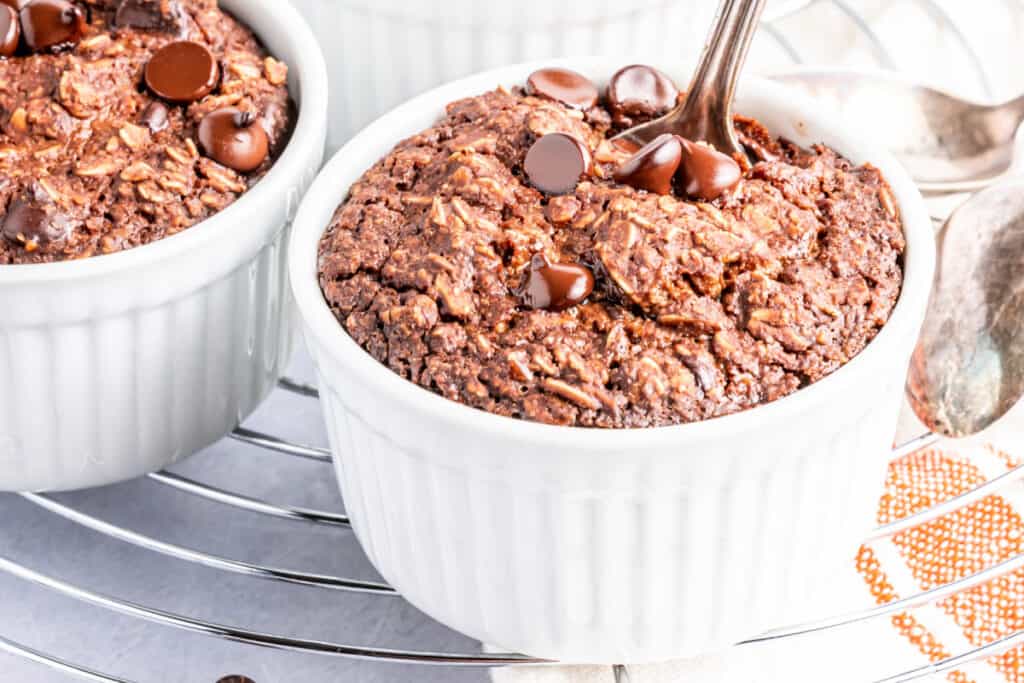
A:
[382,52]
[118,365]
[609,546]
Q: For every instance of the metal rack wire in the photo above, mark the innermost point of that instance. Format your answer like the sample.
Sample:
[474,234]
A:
[329,519]
[328,582]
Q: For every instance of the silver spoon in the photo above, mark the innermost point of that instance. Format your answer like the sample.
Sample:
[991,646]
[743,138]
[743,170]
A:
[948,144]
[706,113]
[968,368]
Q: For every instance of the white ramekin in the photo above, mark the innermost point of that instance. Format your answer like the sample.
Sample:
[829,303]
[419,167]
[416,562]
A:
[609,546]
[382,52]
[118,365]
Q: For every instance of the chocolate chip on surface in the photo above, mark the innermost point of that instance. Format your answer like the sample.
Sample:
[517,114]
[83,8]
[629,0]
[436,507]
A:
[640,91]
[52,25]
[653,166]
[182,72]
[235,678]
[234,138]
[555,286]
[154,117]
[565,86]
[705,173]
[163,15]
[10,31]
[556,162]
[30,224]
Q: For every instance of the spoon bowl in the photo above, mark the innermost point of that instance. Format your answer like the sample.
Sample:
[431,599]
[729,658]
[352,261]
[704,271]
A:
[968,367]
[947,143]
[705,115]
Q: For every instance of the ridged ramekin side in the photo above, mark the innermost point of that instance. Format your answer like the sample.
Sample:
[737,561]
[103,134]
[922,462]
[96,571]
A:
[107,398]
[660,556]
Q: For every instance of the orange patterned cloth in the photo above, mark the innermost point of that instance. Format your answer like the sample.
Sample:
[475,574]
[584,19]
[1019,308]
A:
[960,544]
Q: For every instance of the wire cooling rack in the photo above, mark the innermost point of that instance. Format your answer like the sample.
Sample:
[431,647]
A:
[260,510]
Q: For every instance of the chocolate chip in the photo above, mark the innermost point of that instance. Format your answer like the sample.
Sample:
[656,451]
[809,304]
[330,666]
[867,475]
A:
[182,72]
[556,162]
[653,166]
[702,369]
[10,31]
[163,15]
[154,117]
[30,224]
[235,679]
[563,85]
[274,119]
[639,92]
[705,173]
[52,25]
[555,286]
[234,138]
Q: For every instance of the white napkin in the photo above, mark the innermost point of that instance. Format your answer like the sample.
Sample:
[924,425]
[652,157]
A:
[918,42]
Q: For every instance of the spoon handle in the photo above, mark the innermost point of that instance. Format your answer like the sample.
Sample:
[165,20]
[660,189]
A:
[711,92]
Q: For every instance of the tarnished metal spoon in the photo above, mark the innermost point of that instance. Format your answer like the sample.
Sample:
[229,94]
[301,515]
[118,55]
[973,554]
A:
[948,144]
[968,368]
[706,113]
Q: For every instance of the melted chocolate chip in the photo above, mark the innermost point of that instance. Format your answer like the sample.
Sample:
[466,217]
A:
[639,92]
[563,85]
[705,173]
[653,166]
[274,120]
[158,15]
[154,117]
[52,25]
[31,224]
[556,162]
[555,286]
[182,72]
[703,371]
[10,31]
[234,138]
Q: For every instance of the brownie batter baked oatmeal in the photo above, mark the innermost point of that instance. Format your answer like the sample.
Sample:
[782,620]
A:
[125,121]
[513,258]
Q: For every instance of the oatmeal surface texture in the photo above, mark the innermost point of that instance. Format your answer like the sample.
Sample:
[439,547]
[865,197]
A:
[699,308]
[93,161]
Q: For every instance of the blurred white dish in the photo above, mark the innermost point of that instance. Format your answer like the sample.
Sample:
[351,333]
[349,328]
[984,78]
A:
[382,52]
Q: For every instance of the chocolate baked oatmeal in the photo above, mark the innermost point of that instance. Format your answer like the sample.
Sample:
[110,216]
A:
[515,259]
[125,121]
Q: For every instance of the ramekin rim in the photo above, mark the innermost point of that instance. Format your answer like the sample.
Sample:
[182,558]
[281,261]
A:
[328,333]
[311,101]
